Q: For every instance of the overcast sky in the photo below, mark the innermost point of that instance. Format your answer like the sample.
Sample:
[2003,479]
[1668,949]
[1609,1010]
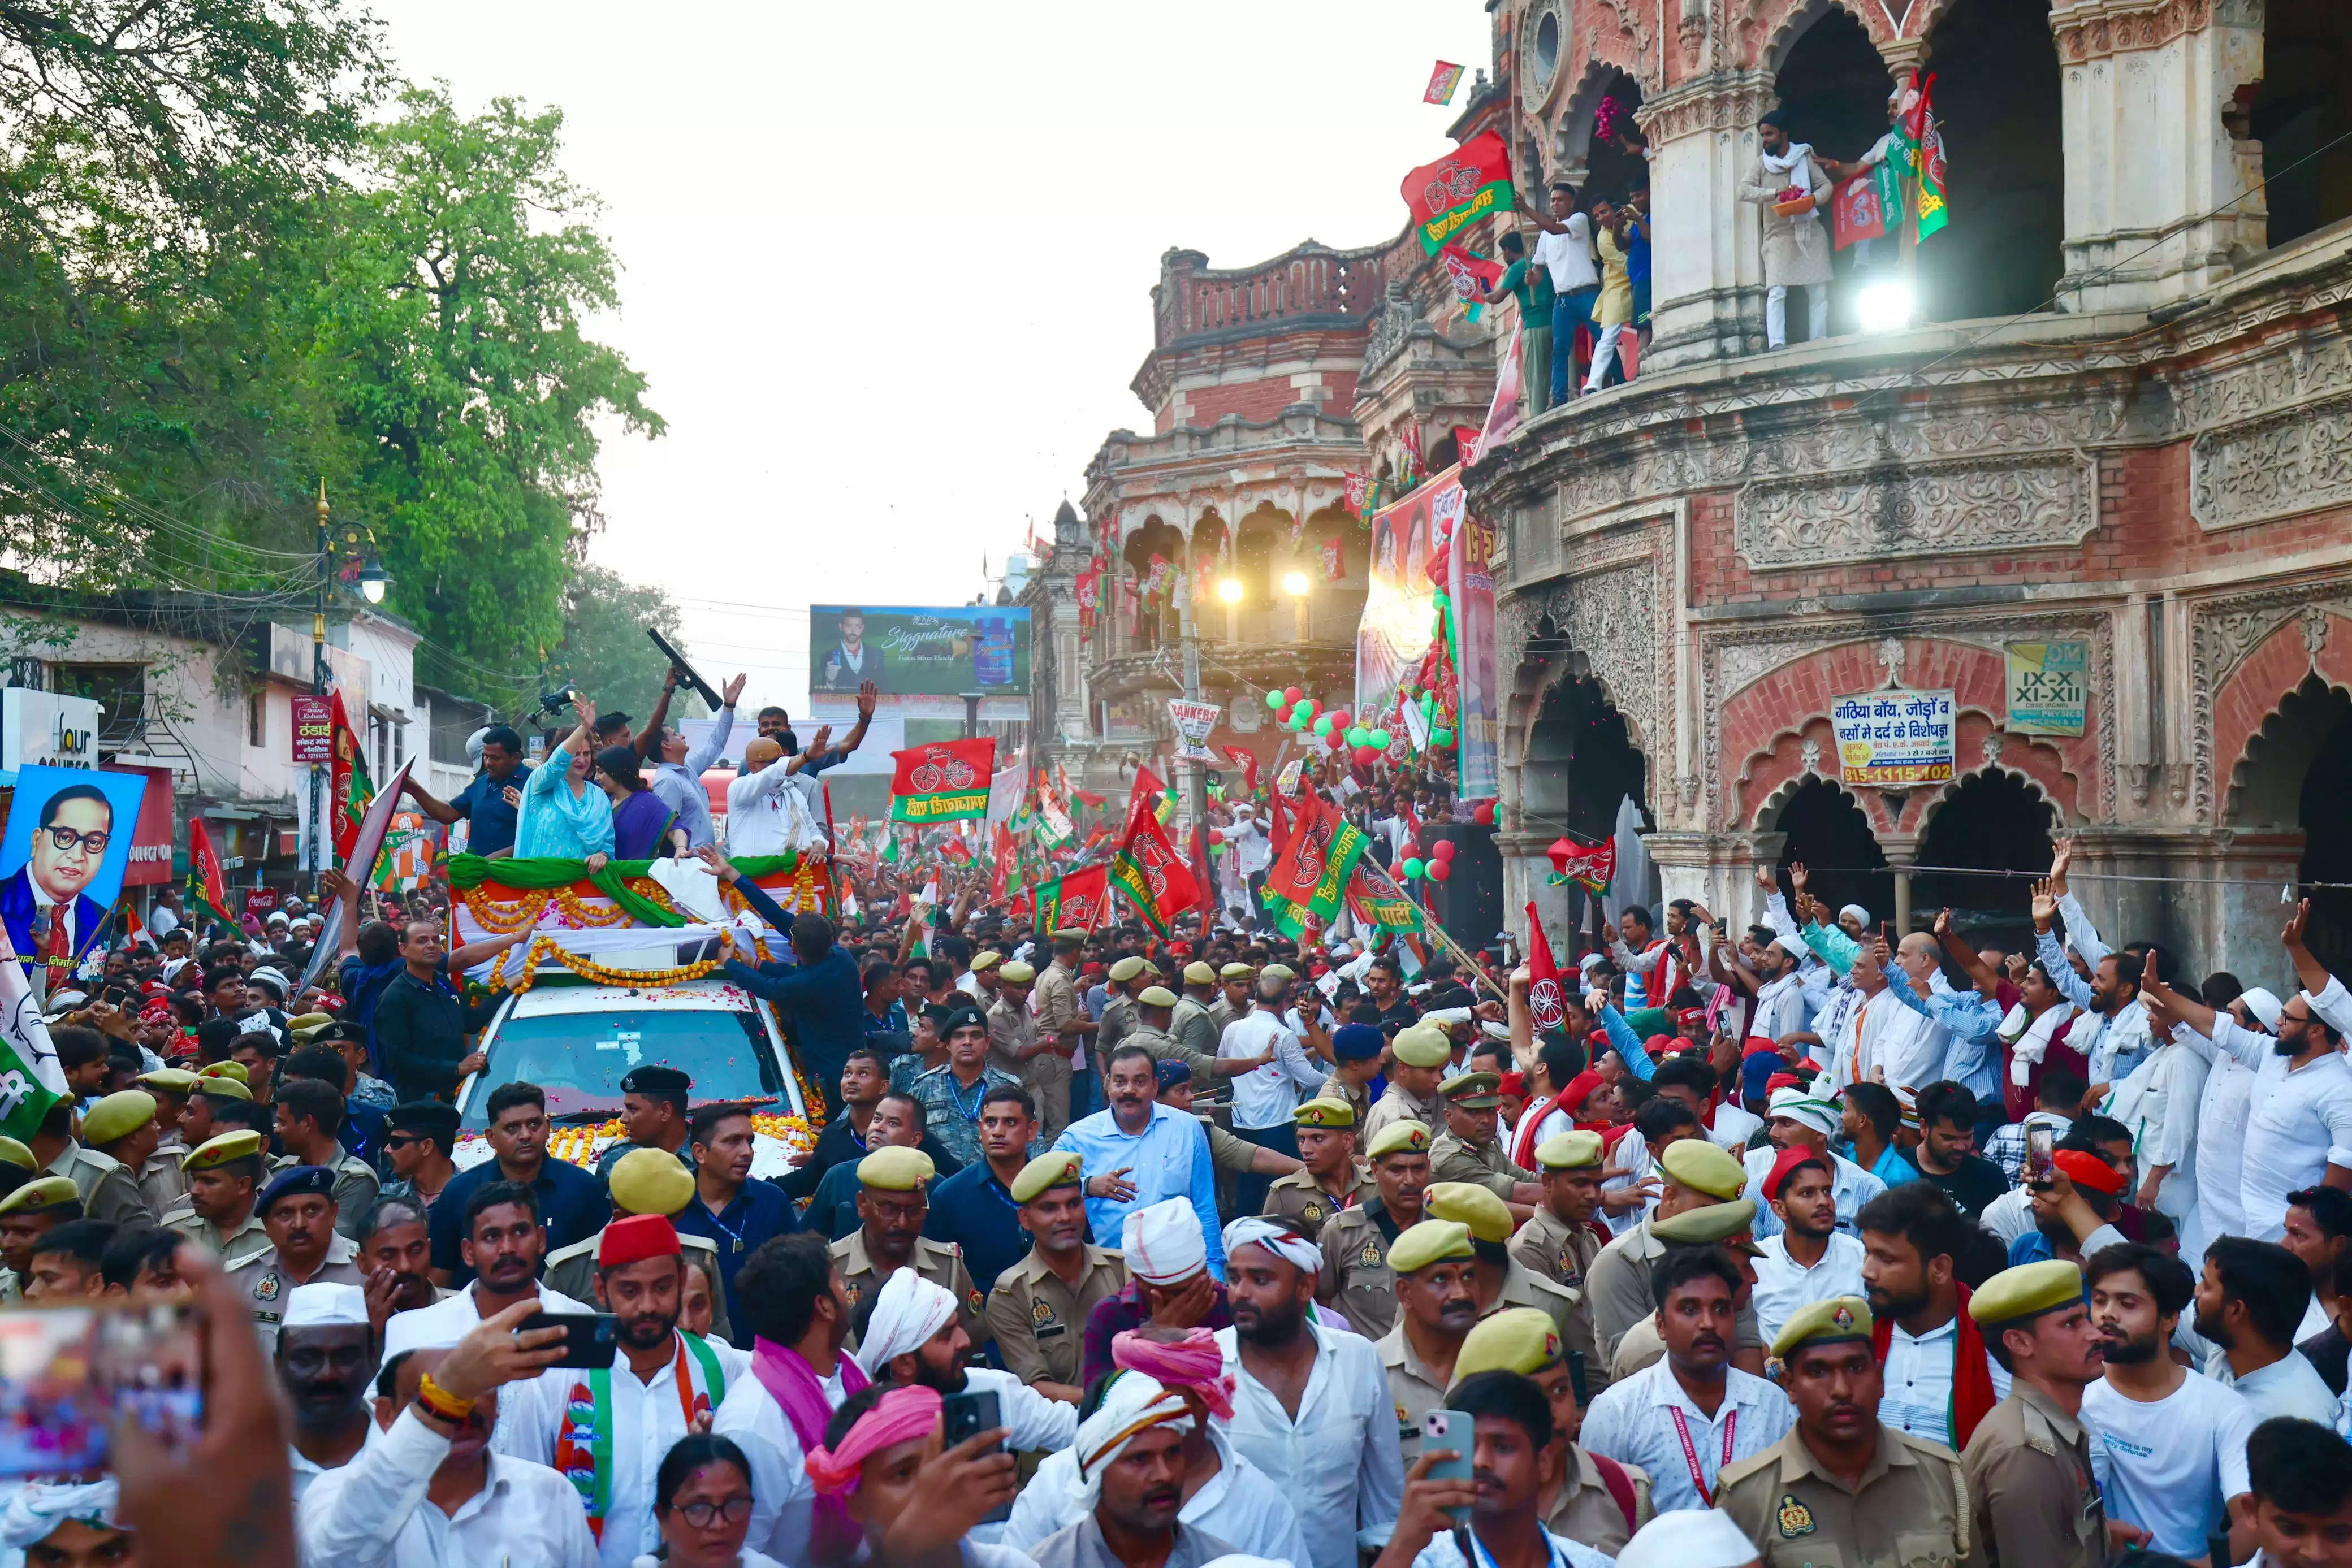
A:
[888,267]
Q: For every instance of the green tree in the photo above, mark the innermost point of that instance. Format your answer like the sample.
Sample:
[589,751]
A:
[605,652]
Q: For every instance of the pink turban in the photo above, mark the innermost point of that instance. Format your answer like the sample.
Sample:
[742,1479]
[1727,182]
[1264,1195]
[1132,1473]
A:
[900,1417]
[1192,1362]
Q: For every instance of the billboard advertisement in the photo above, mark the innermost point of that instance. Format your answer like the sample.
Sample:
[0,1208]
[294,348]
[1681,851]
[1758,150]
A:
[1402,599]
[923,662]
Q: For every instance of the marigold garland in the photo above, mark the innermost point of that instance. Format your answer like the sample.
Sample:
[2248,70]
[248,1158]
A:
[544,948]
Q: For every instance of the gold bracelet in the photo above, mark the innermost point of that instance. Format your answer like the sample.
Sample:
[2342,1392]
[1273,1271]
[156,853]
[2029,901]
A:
[440,1401]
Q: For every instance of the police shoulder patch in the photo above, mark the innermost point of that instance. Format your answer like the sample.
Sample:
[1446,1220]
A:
[1795,1518]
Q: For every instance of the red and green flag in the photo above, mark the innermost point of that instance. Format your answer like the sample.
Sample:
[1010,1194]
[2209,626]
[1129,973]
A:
[942,782]
[1471,182]
[1153,875]
[1072,902]
[347,783]
[1310,877]
[1388,911]
[207,889]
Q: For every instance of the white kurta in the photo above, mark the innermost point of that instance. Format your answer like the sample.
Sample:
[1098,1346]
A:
[1339,1463]
[1796,248]
[372,1513]
[783,1501]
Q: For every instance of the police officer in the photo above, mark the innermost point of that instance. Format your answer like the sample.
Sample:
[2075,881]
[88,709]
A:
[1233,995]
[1155,1006]
[1502,1280]
[1119,1018]
[1356,1056]
[124,1128]
[224,1175]
[891,1207]
[1693,1173]
[2029,1461]
[297,1213]
[1728,1227]
[1437,1287]
[643,1181]
[1417,1065]
[108,1191]
[1561,1241]
[1469,1149]
[1013,1048]
[1356,1275]
[29,1212]
[162,1180]
[1191,1024]
[1331,1182]
[1844,1487]
[1600,1501]
[1038,1310]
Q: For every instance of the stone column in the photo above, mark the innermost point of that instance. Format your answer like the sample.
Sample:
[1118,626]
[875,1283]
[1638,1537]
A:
[2144,86]
[1706,277]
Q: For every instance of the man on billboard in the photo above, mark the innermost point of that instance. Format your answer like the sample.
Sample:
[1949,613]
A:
[852,663]
[68,851]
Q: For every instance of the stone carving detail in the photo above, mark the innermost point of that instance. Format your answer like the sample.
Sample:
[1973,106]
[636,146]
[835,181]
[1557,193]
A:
[1722,103]
[1890,659]
[1991,746]
[2292,460]
[2113,34]
[2027,500]
[2222,632]
[1809,755]
[1744,663]
[2314,621]
[1611,619]
[1392,324]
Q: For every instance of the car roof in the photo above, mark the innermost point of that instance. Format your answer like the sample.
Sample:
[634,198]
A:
[692,996]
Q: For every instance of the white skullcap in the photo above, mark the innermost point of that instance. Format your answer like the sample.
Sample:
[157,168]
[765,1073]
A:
[908,1313]
[40,1507]
[1163,1243]
[1287,1244]
[1800,1106]
[1591,962]
[1134,1403]
[421,1328]
[1861,915]
[1689,1538]
[2264,1005]
[321,1305]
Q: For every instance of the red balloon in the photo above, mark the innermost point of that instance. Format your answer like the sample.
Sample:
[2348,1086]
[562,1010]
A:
[1439,870]
[1443,850]
[1484,814]
[1291,694]
[1341,719]
[1367,755]
[1216,836]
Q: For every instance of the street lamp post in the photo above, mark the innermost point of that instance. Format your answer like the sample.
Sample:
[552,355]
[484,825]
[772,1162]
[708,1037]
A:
[358,542]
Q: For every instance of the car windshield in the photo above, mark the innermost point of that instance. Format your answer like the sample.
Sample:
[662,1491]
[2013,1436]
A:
[580,1058]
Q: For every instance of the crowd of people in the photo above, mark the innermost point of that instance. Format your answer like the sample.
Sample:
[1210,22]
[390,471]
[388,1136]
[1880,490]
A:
[1777,1245]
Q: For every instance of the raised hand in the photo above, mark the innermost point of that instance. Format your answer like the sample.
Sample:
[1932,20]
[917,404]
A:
[1944,926]
[1797,877]
[2045,907]
[2297,924]
[1767,881]
[732,690]
[868,694]
[2058,863]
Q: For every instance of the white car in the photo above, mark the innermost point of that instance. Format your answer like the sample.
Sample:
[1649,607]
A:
[577,1041]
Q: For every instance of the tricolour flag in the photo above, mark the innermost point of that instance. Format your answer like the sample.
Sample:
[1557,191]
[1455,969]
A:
[942,782]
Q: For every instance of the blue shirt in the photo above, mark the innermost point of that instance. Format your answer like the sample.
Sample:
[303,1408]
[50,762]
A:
[822,1006]
[484,804]
[975,1210]
[760,1210]
[363,985]
[1170,1159]
[1893,1168]
[573,1206]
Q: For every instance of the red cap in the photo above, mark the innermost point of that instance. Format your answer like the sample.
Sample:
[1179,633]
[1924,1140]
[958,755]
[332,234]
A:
[1579,1089]
[2087,1170]
[635,1238]
[1658,1044]
[1688,1016]
[1780,1081]
[1787,1164]
[1513,1083]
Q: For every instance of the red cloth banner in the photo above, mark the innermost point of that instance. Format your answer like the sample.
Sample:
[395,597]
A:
[1443,77]
[1473,276]
[1856,211]
[1546,998]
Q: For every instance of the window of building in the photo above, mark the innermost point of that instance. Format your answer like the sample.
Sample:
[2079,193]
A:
[2302,105]
[121,693]
[256,718]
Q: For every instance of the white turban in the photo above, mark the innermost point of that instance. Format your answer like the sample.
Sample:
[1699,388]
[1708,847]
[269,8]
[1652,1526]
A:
[1287,1244]
[1861,915]
[1133,1405]
[1163,1242]
[40,1507]
[1800,1106]
[1689,1538]
[908,1313]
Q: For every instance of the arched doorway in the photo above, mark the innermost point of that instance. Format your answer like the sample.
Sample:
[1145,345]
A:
[2298,773]
[1824,828]
[1833,87]
[1997,99]
[1581,765]
[1991,821]
[2303,103]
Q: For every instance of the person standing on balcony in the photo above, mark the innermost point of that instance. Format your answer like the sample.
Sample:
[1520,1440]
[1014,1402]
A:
[1789,186]
[1613,312]
[1565,248]
[1529,283]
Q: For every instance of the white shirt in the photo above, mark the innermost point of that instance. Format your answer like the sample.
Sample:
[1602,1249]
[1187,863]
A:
[1339,1463]
[784,1500]
[1919,1382]
[2290,1385]
[1038,1425]
[1783,1284]
[1238,1505]
[2159,1103]
[1733,1127]
[2009,1216]
[1569,257]
[769,812]
[2300,1121]
[647,1420]
[1266,1096]
[1851,1185]
[2221,1113]
[372,1513]
[1440,1551]
[1907,1045]
[1631,1421]
[2172,1464]
[458,1314]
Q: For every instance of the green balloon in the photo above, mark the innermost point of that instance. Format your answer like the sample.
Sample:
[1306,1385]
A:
[1413,867]
[1323,724]
[1274,701]
[1441,737]
[1380,738]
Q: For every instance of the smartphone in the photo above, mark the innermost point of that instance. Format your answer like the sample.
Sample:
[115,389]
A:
[65,1373]
[967,1415]
[590,1339]
[1449,1434]
[2040,1153]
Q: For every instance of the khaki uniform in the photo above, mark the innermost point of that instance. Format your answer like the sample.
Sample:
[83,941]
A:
[1167,1048]
[1586,1511]
[1451,1159]
[1040,1323]
[1297,1198]
[2029,1469]
[1415,1387]
[1046,1075]
[1400,1106]
[1221,1014]
[1119,1020]
[1522,1287]
[1617,1289]
[162,1183]
[1358,1095]
[356,1185]
[1911,1510]
[1226,1152]
[1551,1248]
[572,1271]
[234,1248]
[109,1192]
[1194,1030]
[266,1282]
[940,1262]
[1356,1275]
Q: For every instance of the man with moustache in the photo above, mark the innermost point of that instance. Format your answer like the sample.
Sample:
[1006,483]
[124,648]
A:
[1842,1485]
[911,1337]
[2028,1466]
[1597,1501]
[1941,1376]
[1356,1275]
[1437,1283]
[297,1210]
[1039,1307]
[1132,1462]
[325,1349]
[395,1249]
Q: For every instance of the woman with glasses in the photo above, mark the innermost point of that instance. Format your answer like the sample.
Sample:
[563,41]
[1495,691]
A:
[702,1499]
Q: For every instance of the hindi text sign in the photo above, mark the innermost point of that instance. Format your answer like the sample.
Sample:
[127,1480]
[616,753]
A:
[1890,739]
